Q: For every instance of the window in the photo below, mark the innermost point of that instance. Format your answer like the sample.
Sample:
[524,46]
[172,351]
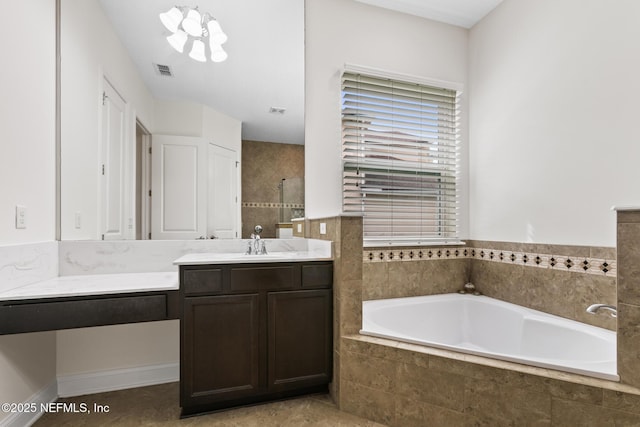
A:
[400,159]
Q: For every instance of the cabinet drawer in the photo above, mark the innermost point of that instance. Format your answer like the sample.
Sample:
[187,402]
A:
[271,277]
[317,275]
[47,316]
[202,281]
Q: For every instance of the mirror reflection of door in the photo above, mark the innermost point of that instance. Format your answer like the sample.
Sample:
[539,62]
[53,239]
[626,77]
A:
[194,189]
[222,197]
[113,152]
[178,187]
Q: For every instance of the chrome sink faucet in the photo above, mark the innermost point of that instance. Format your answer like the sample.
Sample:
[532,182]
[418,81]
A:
[594,308]
[256,246]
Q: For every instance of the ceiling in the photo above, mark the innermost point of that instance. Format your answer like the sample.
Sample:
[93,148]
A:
[265,67]
[462,13]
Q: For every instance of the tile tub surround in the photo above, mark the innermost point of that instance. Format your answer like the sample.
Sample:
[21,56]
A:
[401,384]
[628,298]
[530,275]
[557,279]
[518,392]
[345,233]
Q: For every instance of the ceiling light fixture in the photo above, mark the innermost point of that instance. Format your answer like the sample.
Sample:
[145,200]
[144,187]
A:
[188,23]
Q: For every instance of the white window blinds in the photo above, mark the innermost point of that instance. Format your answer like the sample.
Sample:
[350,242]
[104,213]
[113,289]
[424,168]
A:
[400,159]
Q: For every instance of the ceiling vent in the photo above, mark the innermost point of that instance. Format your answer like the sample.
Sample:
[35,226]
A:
[274,110]
[163,70]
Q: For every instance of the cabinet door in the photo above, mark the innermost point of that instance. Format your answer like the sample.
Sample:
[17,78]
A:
[220,349]
[300,337]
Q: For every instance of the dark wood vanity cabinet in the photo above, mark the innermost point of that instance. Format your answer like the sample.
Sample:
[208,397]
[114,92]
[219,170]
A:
[254,332]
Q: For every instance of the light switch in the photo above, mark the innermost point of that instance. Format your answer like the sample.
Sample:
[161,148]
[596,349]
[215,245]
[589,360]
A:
[323,228]
[78,220]
[299,228]
[21,216]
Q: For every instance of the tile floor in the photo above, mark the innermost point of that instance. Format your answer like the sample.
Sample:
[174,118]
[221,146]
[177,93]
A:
[158,406]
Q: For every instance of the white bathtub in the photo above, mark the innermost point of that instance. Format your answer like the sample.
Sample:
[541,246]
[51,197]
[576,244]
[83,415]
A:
[488,327]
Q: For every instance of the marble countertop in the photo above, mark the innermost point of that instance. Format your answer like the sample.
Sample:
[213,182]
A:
[238,258]
[95,284]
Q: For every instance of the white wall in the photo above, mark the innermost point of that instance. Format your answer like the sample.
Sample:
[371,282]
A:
[104,348]
[27,366]
[191,119]
[27,121]
[27,174]
[344,31]
[90,50]
[554,129]
[178,118]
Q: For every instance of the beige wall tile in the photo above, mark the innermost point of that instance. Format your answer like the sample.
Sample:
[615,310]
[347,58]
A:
[414,413]
[552,291]
[350,311]
[373,404]
[427,385]
[576,392]
[628,216]
[266,217]
[333,229]
[621,401]
[260,184]
[591,289]
[373,350]
[444,276]
[603,252]
[495,403]
[357,368]
[334,386]
[404,279]
[629,263]
[571,414]
[375,280]
[629,344]
[351,264]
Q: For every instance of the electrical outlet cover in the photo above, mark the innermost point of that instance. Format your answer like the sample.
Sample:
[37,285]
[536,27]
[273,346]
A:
[21,217]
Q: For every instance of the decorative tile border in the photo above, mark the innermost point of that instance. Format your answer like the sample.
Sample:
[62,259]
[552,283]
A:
[570,263]
[414,254]
[272,205]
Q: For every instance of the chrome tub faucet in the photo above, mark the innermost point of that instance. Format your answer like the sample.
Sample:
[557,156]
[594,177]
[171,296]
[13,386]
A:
[594,308]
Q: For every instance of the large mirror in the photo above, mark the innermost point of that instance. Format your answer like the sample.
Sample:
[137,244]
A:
[155,144]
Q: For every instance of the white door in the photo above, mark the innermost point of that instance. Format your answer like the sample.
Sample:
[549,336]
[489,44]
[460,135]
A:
[222,200]
[178,187]
[112,185]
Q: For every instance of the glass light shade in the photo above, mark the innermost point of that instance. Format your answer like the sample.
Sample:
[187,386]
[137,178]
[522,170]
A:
[171,19]
[216,35]
[177,40]
[192,23]
[197,51]
[217,52]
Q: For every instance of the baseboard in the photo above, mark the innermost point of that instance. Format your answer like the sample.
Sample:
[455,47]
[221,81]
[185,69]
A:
[24,419]
[117,379]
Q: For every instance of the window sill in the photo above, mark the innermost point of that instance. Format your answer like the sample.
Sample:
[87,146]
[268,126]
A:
[375,243]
